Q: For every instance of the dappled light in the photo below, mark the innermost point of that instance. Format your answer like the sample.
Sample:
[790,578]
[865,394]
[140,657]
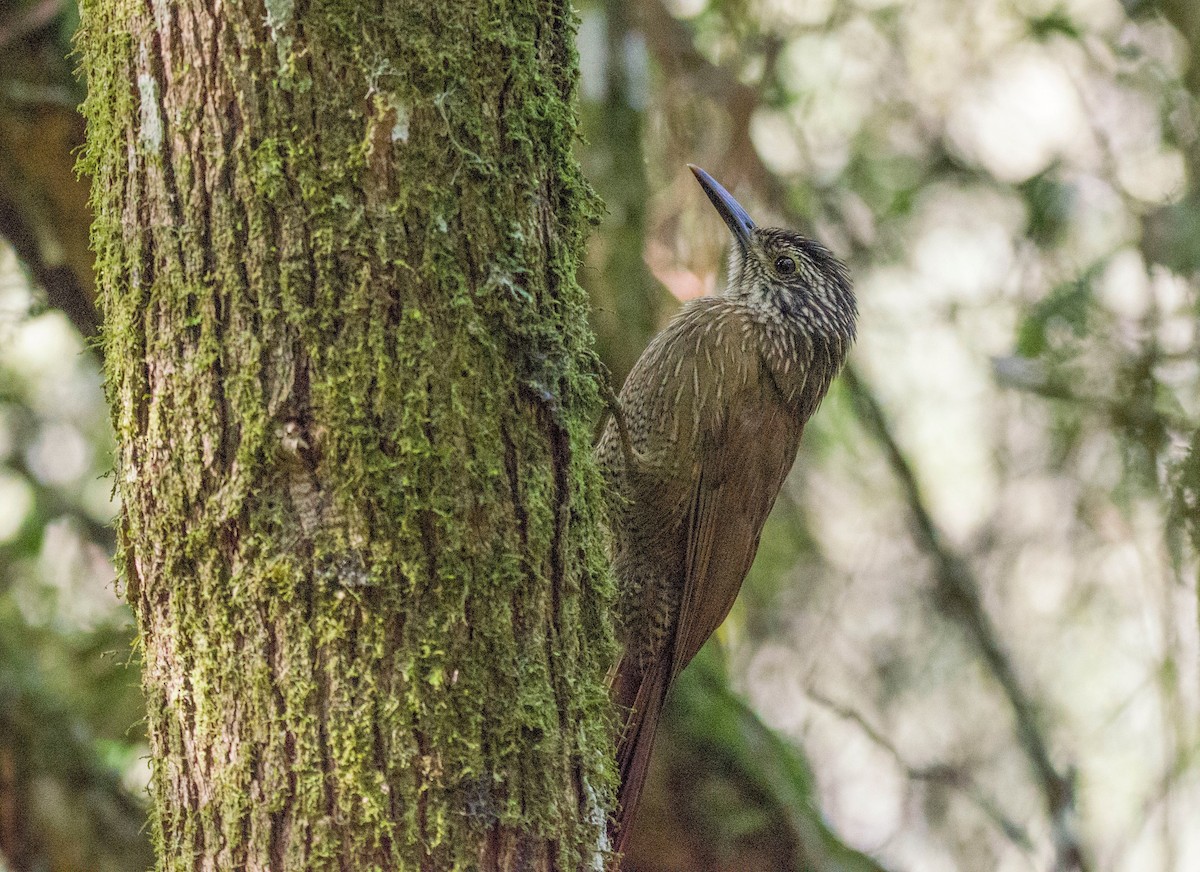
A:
[970,637]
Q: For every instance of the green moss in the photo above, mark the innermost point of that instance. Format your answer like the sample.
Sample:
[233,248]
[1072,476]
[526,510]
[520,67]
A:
[387,634]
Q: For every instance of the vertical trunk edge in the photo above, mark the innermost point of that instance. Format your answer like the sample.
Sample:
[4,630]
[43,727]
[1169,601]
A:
[353,391]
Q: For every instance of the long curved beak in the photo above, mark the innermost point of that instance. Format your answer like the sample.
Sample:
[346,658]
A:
[736,218]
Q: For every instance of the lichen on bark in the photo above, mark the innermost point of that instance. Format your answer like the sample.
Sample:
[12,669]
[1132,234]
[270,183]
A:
[353,391]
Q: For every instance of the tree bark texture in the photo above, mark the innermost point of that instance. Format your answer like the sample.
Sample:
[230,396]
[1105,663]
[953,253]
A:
[353,393]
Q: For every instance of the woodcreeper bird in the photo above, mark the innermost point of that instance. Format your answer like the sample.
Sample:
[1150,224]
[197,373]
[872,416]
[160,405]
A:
[707,428]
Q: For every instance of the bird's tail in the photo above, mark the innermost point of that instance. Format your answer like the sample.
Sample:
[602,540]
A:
[640,694]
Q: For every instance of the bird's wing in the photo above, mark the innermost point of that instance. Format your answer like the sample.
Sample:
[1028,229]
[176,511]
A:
[747,455]
[715,440]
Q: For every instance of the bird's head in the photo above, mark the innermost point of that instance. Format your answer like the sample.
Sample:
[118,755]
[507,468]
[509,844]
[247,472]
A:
[790,275]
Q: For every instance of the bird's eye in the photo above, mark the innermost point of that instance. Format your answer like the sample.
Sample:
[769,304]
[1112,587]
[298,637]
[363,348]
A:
[785,265]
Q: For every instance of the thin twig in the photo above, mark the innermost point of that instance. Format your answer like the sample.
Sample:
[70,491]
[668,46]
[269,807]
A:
[63,288]
[943,774]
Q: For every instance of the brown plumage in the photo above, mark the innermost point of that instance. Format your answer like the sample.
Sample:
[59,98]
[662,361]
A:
[712,416]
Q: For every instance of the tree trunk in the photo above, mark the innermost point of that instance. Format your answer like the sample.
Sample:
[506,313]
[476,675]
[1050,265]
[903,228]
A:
[353,394]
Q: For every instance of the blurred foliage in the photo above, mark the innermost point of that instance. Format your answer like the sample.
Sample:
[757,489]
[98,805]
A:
[44,210]
[72,756]
[971,639]
[729,793]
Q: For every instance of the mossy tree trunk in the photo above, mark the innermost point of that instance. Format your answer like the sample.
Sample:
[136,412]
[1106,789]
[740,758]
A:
[352,389]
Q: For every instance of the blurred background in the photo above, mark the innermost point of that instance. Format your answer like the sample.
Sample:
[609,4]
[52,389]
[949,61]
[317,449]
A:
[970,640]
